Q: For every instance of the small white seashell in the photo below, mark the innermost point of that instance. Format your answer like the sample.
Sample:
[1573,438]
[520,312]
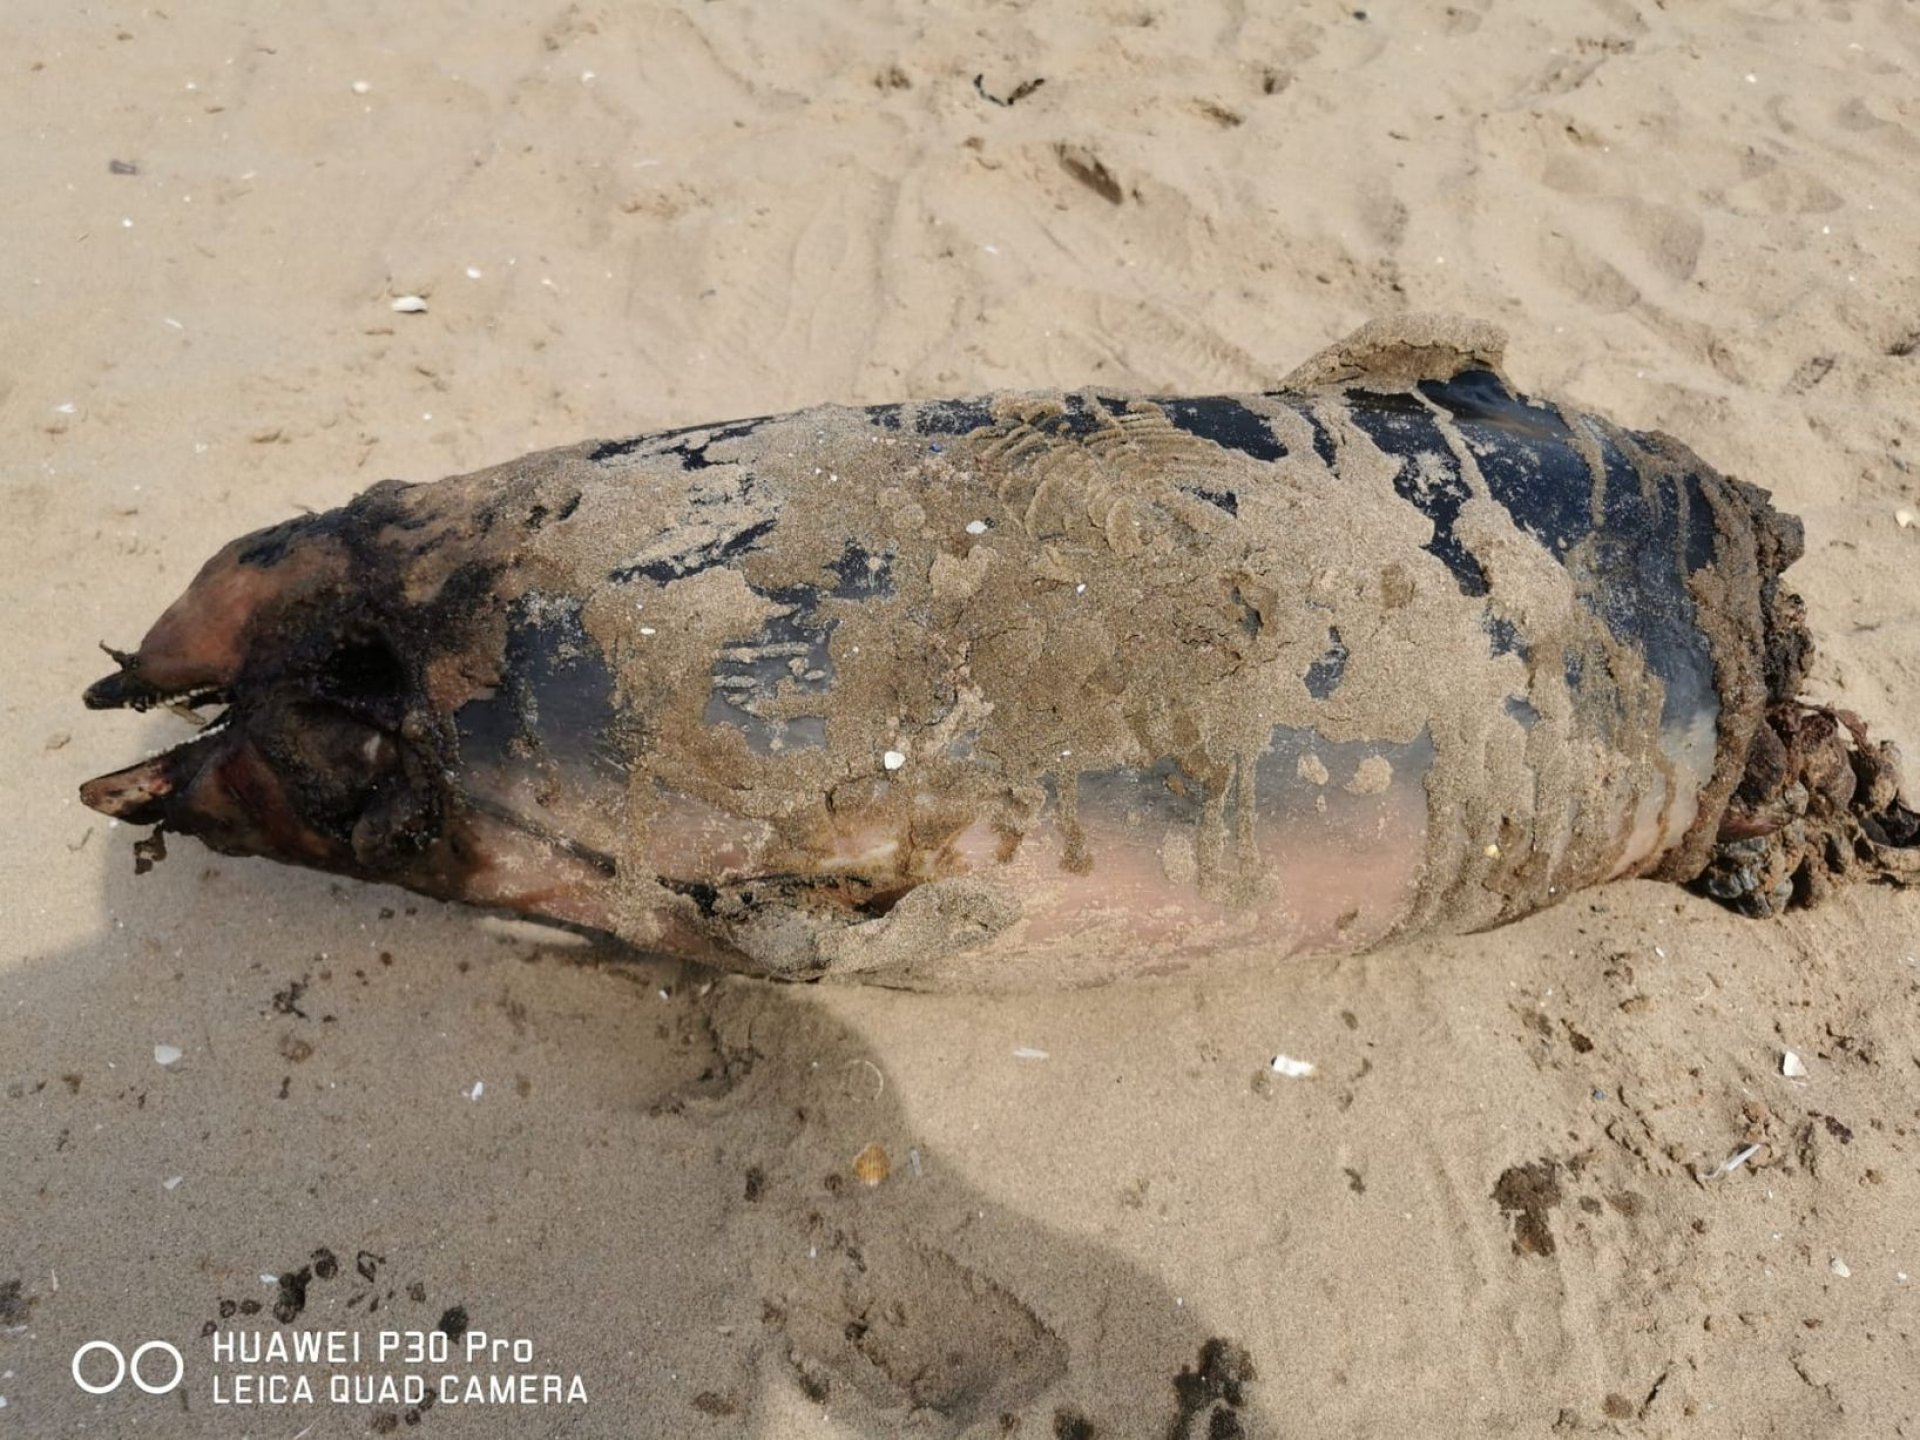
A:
[1903,518]
[976,527]
[167,1054]
[1291,1068]
[479,1089]
[410,305]
[1027,1052]
[1792,1066]
[172,1183]
[1839,1267]
[361,87]
[893,759]
[473,272]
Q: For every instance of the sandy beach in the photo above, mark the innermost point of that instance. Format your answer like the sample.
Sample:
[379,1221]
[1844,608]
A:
[242,1100]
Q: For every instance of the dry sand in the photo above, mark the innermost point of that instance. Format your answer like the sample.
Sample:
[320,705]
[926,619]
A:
[1481,1215]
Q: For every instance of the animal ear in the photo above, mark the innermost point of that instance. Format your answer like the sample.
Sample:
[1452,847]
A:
[1397,352]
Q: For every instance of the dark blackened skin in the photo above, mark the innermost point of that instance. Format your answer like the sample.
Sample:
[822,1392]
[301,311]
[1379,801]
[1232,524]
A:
[309,750]
[337,748]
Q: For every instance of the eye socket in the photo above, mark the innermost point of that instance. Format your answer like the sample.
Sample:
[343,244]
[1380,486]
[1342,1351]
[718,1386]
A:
[332,749]
[364,668]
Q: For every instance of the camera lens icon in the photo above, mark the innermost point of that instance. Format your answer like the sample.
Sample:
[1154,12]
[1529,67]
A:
[124,1367]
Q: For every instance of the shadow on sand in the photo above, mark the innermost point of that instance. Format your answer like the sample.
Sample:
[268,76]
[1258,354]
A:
[388,1115]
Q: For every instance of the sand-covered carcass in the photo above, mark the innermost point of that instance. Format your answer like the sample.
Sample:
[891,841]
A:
[1033,689]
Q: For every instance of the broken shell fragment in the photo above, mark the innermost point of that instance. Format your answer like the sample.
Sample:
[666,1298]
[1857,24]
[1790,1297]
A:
[1391,650]
[872,1164]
